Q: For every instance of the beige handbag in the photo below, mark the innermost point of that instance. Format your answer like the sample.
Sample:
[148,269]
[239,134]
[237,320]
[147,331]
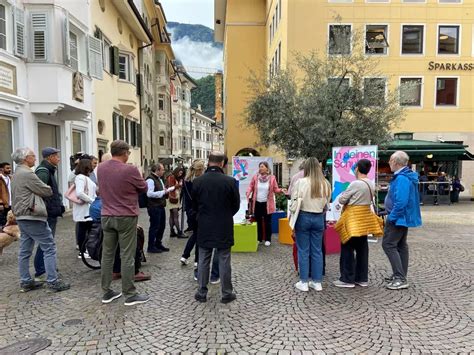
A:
[295,206]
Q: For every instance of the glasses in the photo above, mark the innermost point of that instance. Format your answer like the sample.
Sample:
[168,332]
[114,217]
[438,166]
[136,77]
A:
[129,152]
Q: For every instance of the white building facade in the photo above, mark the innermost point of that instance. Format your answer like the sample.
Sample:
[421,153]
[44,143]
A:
[202,135]
[48,60]
[181,124]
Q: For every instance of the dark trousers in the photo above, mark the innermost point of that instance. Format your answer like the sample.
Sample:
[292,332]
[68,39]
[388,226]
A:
[157,226]
[395,246]
[190,245]
[39,256]
[264,222]
[82,229]
[225,270]
[354,268]
[118,262]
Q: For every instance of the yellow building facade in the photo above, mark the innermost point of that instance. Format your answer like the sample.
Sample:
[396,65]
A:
[430,43]
[119,26]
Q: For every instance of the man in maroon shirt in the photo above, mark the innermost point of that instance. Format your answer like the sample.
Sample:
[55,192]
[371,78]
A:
[119,186]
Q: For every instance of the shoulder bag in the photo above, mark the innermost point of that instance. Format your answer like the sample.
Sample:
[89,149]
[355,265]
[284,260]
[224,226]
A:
[295,206]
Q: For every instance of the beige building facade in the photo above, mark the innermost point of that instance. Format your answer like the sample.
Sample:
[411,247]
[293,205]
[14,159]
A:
[430,43]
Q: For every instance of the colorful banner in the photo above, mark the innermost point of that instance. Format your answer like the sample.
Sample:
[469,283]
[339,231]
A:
[344,161]
[243,169]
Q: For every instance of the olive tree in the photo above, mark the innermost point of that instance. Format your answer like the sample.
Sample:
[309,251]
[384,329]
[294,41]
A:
[324,100]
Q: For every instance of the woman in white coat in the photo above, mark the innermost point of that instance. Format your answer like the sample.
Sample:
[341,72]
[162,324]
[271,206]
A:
[86,192]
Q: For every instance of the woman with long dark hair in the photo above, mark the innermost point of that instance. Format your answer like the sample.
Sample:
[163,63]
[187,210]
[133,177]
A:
[86,192]
[175,179]
[261,196]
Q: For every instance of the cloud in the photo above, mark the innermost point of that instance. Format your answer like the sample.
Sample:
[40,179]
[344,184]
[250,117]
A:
[197,54]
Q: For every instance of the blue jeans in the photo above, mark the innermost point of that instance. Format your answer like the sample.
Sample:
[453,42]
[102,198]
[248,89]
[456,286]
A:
[39,261]
[157,227]
[39,232]
[309,230]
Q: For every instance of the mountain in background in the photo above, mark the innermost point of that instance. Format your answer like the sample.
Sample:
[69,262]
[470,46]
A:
[205,95]
[196,33]
[194,46]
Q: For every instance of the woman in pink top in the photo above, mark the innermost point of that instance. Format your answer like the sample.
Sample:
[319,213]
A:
[261,196]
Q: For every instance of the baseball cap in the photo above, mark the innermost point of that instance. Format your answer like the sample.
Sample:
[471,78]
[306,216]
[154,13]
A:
[46,152]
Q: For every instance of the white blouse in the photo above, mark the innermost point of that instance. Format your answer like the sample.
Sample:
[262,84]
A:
[262,191]
[86,190]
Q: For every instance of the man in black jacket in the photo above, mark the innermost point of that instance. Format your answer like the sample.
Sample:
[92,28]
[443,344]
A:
[46,172]
[216,200]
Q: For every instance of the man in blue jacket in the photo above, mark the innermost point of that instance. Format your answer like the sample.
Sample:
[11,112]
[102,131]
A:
[403,207]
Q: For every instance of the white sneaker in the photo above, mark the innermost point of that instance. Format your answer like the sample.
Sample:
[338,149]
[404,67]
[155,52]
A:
[86,255]
[362,284]
[195,264]
[302,286]
[183,261]
[267,244]
[315,285]
[339,283]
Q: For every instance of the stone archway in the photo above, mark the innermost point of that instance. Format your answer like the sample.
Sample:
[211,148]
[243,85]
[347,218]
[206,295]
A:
[247,152]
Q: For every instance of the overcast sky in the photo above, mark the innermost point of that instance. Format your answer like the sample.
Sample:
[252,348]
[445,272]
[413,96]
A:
[194,54]
[190,11]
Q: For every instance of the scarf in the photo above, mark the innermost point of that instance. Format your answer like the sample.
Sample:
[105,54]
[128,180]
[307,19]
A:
[263,178]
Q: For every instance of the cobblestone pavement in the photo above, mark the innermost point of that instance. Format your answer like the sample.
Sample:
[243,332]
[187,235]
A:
[434,315]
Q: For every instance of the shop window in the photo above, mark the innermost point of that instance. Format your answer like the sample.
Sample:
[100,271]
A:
[374,91]
[6,137]
[340,39]
[412,39]
[376,39]
[77,141]
[448,40]
[410,91]
[450,1]
[446,91]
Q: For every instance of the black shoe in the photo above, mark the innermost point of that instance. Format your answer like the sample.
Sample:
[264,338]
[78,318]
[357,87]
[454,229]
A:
[200,298]
[111,295]
[58,286]
[229,299]
[397,285]
[182,236]
[30,286]
[162,248]
[187,230]
[137,299]
[154,251]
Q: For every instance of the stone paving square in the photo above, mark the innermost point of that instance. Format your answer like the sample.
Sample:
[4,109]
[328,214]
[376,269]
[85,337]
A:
[433,316]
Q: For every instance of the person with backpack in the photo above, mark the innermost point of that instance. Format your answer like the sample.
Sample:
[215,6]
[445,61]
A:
[46,172]
[156,203]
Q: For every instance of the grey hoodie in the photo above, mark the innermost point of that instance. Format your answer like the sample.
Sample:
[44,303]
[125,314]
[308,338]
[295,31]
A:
[27,195]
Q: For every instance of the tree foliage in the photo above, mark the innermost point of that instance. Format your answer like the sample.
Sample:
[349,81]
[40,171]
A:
[310,107]
[204,95]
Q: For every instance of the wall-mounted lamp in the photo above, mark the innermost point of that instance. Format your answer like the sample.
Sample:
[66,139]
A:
[430,156]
